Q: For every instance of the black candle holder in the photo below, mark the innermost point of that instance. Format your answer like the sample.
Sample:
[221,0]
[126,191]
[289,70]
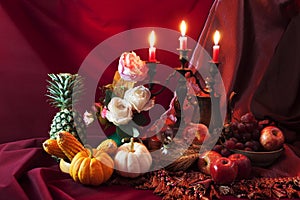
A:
[181,89]
[208,104]
[210,81]
[215,114]
[183,57]
[151,72]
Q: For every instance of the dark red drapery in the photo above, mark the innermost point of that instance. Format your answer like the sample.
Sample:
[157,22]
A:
[41,37]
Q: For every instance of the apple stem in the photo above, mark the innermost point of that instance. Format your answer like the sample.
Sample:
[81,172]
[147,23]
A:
[274,132]
[224,162]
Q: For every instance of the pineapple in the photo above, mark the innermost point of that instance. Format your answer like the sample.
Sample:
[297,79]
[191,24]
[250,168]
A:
[63,92]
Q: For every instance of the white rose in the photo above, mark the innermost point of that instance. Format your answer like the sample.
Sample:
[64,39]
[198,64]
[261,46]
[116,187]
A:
[139,97]
[119,111]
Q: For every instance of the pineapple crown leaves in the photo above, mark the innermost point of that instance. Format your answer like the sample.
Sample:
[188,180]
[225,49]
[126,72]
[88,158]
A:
[64,89]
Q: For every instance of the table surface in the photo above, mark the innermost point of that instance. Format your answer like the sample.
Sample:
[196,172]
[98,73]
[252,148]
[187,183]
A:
[28,172]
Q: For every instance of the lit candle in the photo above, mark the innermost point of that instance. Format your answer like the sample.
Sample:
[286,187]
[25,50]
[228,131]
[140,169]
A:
[152,49]
[216,47]
[183,38]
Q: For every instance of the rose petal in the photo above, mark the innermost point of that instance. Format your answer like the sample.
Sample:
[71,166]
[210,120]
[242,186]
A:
[149,105]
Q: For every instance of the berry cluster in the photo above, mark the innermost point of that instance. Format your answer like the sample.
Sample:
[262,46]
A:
[242,134]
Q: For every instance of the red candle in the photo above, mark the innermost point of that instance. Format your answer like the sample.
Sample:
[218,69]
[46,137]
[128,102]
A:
[183,38]
[216,47]
[152,49]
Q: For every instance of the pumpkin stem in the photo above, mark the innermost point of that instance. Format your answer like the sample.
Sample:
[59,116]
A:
[132,144]
[90,150]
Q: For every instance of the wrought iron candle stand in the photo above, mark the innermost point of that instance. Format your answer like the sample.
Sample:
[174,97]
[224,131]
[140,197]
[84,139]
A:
[152,72]
[215,114]
[206,106]
[181,89]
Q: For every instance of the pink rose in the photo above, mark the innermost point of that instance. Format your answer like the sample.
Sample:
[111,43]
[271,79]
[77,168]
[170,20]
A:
[131,67]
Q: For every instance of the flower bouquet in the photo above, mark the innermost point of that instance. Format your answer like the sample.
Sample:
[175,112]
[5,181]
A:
[126,101]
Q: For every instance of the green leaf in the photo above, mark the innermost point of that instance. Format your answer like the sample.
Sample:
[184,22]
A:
[60,78]
[52,76]
[122,134]
[53,91]
[67,94]
[66,84]
[53,85]
[54,97]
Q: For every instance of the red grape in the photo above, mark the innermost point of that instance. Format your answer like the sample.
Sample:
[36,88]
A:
[248,149]
[241,127]
[249,144]
[225,152]
[259,127]
[237,136]
[218,148]
[246,137]
[239,146]
[256,135]
[247,118]
[249,127]
[229,144]
[233,139]
[234,126]
[256,145]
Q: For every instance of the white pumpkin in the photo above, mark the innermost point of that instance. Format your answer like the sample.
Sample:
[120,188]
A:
[132,159]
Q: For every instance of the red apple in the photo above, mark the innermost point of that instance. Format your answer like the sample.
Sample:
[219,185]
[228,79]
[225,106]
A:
[199,132]
[205,160]
[271,138]
[243,163]
[223,171]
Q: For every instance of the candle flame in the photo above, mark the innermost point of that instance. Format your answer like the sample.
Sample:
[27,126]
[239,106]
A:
[217,37]
[183,28]
[152,39]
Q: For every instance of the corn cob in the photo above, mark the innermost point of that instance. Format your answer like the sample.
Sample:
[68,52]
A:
[52,148]
[69,144]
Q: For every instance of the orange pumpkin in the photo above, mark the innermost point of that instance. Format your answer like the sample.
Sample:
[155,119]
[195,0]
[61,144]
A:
[90,169]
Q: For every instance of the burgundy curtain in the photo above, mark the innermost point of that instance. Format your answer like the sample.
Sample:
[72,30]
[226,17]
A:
[255,57]
[38,37]
[278,95]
